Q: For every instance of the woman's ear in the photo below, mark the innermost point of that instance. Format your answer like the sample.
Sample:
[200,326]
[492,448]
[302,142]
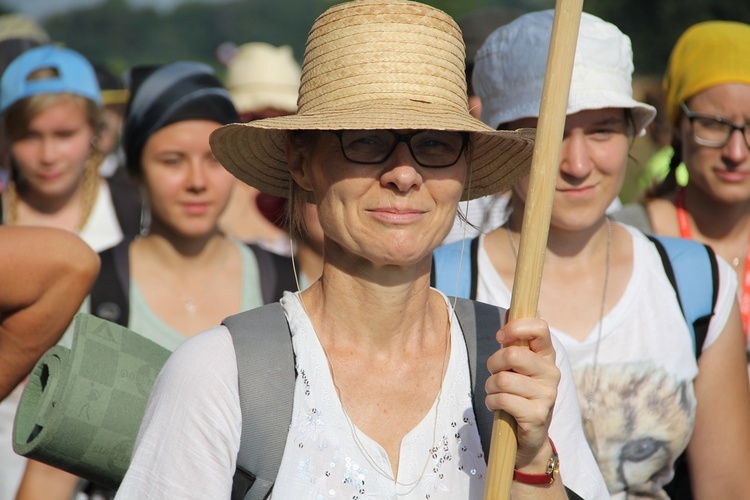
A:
[296,159]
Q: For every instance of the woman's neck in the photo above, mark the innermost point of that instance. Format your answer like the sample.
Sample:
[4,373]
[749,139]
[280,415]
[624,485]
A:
[310,262]
[570,244]
[396,310]
[175,253]
[65,211]
[716,220]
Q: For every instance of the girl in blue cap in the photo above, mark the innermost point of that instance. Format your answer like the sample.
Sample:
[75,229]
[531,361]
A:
[52,117]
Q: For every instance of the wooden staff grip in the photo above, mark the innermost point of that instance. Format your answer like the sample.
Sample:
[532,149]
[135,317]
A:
[544,165]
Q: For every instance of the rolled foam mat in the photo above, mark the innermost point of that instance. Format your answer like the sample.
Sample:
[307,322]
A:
[82,407]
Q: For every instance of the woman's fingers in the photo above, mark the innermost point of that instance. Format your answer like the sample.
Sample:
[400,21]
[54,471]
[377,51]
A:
[523,382]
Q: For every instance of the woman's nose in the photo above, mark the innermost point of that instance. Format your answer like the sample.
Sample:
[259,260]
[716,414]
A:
[402,170]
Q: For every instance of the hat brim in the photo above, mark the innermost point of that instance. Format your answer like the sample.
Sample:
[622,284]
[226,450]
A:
[255,152]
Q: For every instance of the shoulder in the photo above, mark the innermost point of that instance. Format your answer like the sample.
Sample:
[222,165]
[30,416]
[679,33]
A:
[634,214]
[198,364]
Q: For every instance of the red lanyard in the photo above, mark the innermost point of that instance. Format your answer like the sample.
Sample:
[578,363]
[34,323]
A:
[686,232]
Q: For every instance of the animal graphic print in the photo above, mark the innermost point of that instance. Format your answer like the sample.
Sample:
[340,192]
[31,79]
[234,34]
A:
[641,421]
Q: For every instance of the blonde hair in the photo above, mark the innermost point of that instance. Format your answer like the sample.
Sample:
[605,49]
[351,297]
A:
[18,117]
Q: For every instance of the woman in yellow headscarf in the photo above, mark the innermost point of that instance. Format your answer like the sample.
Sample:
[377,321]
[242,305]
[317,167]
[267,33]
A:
[707,102]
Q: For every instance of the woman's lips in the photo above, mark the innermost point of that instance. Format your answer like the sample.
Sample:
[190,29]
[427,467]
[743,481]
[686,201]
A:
[196,208]
[732,176]
[397,216]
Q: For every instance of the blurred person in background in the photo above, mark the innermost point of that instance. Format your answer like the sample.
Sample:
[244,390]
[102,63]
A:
[263,81]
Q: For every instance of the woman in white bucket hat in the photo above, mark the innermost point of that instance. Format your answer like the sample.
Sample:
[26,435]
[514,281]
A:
[383,404]
[605,292]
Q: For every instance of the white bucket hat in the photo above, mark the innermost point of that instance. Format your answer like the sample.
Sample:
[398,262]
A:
[262,76]
[510,66]
[378,64]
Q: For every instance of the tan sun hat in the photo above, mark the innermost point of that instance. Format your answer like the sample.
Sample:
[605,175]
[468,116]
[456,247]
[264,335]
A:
[378,64]
[262,76]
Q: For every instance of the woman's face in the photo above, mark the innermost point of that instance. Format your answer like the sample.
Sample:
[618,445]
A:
[51,155]
[186,187]
[391,213]
[593,160]
[721,172]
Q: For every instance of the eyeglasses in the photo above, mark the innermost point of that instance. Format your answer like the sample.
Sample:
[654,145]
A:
[714,131]
[430,148]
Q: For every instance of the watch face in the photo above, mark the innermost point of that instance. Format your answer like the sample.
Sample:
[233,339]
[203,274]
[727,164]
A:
[553,468]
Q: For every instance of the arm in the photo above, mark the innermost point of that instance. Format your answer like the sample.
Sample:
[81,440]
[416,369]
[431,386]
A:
[524,382]
[190,434]
[46,274]
[721,437]
[44,481]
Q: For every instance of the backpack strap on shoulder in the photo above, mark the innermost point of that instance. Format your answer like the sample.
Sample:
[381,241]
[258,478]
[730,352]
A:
[110,294]
[453,258]
[692,270]
[276,274]
[479,322]
[266,366]
[126,199]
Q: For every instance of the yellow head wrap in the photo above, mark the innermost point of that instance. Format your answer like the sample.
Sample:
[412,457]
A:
[707,54]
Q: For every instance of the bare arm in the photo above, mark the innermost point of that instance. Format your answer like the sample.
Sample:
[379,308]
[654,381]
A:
[45,274]
[44,481]
[721,438]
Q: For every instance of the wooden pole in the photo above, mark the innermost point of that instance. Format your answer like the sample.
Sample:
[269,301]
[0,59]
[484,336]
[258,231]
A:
[544,165]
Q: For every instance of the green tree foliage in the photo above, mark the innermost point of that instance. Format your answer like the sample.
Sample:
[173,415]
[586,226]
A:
[118,35]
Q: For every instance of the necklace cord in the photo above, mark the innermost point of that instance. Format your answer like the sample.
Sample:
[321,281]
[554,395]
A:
[595,376]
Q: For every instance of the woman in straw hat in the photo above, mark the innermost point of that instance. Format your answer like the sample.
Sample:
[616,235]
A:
[644,397]
[707,101]
[382,404]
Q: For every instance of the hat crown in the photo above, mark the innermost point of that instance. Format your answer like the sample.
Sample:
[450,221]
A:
[511,65]
[262,76]
[357,51]
[74,75]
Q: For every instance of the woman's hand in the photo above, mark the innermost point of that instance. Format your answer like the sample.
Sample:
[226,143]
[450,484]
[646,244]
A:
[523,382]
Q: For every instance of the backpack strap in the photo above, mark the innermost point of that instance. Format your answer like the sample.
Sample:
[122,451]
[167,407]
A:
[450,259]
[266,366]
[692,270]
[110,294]
[126,199]
[276,274]
[480,322]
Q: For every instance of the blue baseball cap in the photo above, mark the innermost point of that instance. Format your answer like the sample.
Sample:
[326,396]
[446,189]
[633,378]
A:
[75,75]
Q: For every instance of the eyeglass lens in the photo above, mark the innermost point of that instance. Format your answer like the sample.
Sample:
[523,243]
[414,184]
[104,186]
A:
[430,148]
[714,131]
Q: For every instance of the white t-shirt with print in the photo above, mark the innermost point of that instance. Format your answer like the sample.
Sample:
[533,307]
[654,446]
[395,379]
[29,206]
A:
[644,404]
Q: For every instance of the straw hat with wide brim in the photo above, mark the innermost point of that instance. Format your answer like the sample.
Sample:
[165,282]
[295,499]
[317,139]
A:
[378,64]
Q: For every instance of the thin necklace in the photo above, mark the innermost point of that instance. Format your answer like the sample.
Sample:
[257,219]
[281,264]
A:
[190,302]
[355,432]
[595,378]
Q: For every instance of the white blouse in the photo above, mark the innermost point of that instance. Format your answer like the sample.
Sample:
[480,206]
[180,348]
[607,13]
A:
[188,444]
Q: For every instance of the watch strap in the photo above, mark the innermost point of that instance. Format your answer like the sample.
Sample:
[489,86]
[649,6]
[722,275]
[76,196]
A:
[553,469]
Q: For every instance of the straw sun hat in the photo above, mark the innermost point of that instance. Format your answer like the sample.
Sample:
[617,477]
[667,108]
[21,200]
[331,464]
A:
[378,64]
